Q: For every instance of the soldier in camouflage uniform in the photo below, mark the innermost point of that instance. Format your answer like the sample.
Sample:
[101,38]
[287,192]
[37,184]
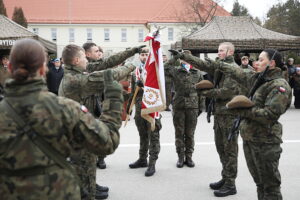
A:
[226,89]
[97,63]
[149,140]
[186,108]
[169,84]
[27,172]
[260,129]
[4,73]
[79,86]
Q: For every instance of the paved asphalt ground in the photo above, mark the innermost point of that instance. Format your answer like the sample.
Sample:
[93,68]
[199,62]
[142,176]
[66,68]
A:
[171,183]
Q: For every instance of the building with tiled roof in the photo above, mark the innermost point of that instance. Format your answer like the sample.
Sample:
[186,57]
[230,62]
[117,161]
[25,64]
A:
[113,24]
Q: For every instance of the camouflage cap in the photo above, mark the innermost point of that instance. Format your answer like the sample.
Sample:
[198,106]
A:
[204,84]
[240,101]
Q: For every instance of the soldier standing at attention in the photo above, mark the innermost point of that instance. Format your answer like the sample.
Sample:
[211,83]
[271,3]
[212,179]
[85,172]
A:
[168,80]
[79,85]
[260,129]
[94,55]
[39,130]
[149,140]
[225,89]
[186,108]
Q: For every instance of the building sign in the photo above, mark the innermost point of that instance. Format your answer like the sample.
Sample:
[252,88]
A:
[7,42]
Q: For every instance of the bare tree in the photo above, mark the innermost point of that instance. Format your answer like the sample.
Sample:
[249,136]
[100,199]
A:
[195,14]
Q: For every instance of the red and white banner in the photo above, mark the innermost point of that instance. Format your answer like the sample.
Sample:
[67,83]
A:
[154,98]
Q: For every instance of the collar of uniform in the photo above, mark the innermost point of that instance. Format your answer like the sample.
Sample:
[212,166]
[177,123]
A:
[228,59]
[274,74]
[74,68]
[14,88]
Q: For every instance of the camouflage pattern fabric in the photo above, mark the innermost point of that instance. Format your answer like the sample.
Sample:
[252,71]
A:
[227,150]
[186,106]
[223,119]
[149,140]
[81,86]
[4,74]
[65,125]
[260,129]
[262,161]
[111,61]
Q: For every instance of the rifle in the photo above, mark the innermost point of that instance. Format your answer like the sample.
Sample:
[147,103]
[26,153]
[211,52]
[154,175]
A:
[258,82]
[211,104]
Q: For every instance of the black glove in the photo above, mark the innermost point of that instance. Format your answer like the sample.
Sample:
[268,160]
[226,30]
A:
[112,89]
[139,83]
[139,48]
[176,54]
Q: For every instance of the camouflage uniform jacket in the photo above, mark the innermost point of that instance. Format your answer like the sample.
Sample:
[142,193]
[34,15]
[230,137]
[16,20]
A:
[272,99]
[110,62]
[227,87]
[62,123]
[186,95]
[4,74]
[81,86]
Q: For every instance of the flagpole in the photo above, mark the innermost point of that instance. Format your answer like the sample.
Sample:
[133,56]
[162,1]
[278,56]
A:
[131,104]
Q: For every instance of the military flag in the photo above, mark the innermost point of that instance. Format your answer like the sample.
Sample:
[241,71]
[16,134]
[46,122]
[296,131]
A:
[154,97]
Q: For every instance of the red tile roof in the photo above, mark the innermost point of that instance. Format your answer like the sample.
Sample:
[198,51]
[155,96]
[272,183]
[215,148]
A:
[103,11]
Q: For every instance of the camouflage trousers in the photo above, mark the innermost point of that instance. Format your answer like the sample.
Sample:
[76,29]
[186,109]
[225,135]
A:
[185,121]
[262,161]
[149,140]
[227,150]
[84,163]
[168,93]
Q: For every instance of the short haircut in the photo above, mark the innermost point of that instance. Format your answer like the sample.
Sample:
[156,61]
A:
[88,45]
[229,45]
[100,49]
[144,50]
[70,52]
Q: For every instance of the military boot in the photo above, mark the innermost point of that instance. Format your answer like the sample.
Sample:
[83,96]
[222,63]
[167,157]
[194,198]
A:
[150,170]
[101,195]
[139,163]
[102,188]
[225,191]
[180,162]
[217,185]
[101,163]
[189,162]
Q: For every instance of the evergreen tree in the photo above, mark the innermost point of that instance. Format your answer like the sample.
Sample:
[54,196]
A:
[239,10]
[2,8]
[18,17]
[284,18]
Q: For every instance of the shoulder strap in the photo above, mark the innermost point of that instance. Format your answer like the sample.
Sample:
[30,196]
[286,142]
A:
[44,146]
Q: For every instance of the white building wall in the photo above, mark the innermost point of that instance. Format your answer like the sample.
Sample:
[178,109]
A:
[114,45]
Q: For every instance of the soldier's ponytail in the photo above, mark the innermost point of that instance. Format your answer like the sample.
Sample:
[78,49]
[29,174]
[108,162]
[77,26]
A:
[26,57]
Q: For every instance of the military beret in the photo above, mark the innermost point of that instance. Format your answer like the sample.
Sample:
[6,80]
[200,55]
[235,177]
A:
[204,84]
[240,101]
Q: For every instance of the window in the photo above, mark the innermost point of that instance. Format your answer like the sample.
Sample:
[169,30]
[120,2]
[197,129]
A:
[106,34]
[53,34]
[123,34]
[35,30]
[170,34]
[71,35]
[141,35]
[89,34]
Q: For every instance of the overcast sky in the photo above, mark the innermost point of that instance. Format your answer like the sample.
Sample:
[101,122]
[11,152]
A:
[257,8]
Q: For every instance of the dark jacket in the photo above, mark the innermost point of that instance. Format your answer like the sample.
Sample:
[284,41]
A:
[54,77]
